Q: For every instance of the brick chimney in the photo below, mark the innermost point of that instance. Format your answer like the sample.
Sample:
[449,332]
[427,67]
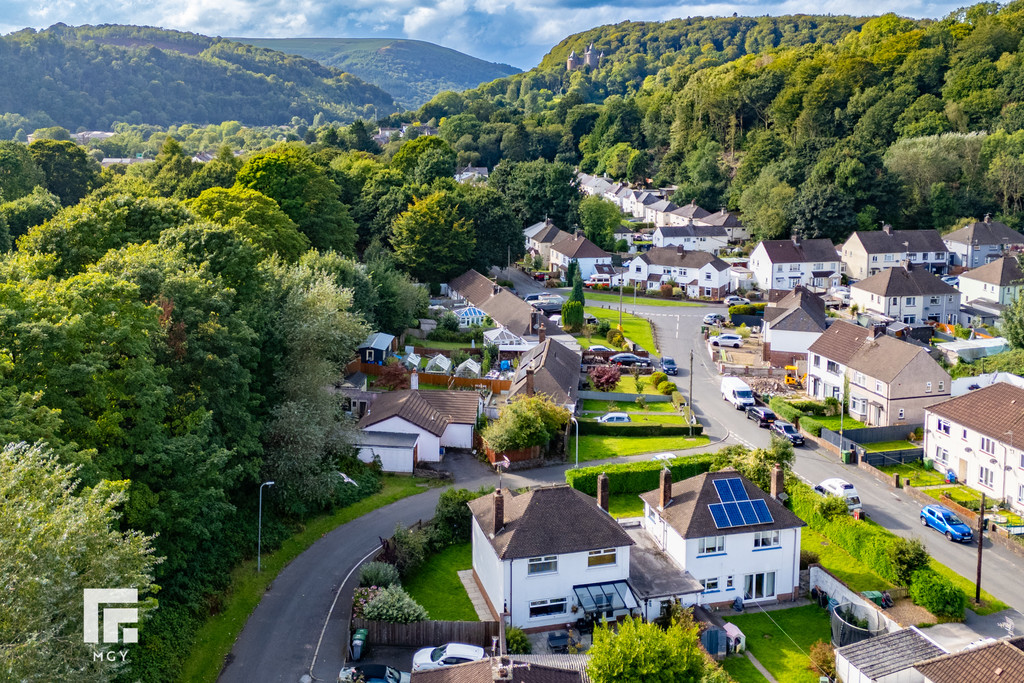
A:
[602,491]
[886,228]
[778,484]
[541,333]
[666,489]
[680,249]
[877,331]
[414,380]
[499,513]
[529,381]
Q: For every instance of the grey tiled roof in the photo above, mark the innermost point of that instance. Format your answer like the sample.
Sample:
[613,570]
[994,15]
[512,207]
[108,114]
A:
[556,371]
[889,653]
[985,233]
[1001,272]
[881,242]
[799,311]
[904,282]
[675,257]
[480,672]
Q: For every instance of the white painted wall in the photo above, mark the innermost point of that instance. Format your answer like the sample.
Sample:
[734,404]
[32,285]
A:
[392,459]
[429,444]
[489,568]
[787,340]
[457,436]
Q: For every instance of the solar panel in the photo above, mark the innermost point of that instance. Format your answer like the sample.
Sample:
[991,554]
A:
[738,492]
[721,519]
[735,516]
[747,510]
[725,493]
[761,510]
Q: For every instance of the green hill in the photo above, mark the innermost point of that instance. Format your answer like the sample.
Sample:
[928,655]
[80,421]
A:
[413,71]
[92,76]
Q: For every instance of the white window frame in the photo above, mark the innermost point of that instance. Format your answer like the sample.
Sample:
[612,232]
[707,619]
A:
[550,602]
[941,454]
[710,545]
[599,558]
[710,585]
[767,539]
[750,586]
[858,405]
[536,566]
[988,445]
[927,387]
[942,386]
[986,477]
[943,426]
[901,414]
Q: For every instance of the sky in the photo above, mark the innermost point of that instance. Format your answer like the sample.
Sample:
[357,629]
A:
[516,32]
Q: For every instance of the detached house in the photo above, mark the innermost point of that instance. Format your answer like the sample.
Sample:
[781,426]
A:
[733,226]
[890,381]
[784,264]
[907,294]
[974,435]
[700,273]
[551,369]
[866,253]
[550,556]
[998,282]
[543,238]
[791,325]
[692,237]
[581,250]
[738,541]
[441,419]
[978,243]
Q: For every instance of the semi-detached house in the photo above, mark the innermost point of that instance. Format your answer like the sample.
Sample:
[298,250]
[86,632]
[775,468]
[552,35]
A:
[784,264]
[908,294]
[868,252]
[700,273]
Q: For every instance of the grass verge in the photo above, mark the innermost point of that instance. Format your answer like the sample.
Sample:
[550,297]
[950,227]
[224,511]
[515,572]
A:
[627,385]
[854,573]
[742,670]
[625,505]
[599,406]
[437,587]
[595,447]
[214,640]
[634,327]
[773,645]
[627,300]
[988,602]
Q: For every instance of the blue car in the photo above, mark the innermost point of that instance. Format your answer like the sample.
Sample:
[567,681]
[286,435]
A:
[942,518]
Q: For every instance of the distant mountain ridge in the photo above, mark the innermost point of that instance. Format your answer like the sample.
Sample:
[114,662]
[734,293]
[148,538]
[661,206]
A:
[412,71]
[92,76]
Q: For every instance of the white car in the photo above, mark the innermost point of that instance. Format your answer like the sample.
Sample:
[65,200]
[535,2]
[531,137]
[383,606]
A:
[614,417]
[446,655]
[733,340]
[842,488]
[599,347]
[735,301]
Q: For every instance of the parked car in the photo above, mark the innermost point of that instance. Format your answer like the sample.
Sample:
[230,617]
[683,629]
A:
[533,297]
[787,431]
[599,347]
[614,417]
[733,340]
[943,519]
[951,280]
[763,416]
[834,486]
[373,673]
[714,319]
[668,366]
[629,359]
[541,277]
[445,655]
[735,300]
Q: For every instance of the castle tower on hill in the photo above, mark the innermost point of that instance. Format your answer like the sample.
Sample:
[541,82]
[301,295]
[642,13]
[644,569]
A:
[573,62]
[591,59]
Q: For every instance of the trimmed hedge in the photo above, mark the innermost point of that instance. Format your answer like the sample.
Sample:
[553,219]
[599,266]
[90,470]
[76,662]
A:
[811,426]
[747,309]
[785,410]
[638,477]
[937,594]
[678,400]
[637,429]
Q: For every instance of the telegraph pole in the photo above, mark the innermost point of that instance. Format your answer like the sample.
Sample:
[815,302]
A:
[981,526]
[689,399]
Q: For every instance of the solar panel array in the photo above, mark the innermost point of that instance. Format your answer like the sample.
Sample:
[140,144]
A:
[736,508]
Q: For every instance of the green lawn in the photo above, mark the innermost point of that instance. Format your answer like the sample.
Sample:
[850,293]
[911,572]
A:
[214,640]
[961,494]
[599,406]
[774,645]
[625,505]
[627,385]
[627,300]
[431,344]
[742,670]
[634,327]
[437,587]
[988,602]
[594,447]
[903,445]
[857,575]
[833,422]
[918,474]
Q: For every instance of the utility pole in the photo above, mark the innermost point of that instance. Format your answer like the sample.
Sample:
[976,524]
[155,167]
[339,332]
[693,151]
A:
[689,399]
[981,526]
[620,304]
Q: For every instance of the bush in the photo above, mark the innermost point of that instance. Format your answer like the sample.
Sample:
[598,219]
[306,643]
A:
[524,422]
[667,388]
[361,597]
[678,400]
[605,377]
[743,331]
[637,477]
[832,507]
[448,322]
[378,574]
[832,406]
[602,329]
[615,338]
[395,606]
[452,519]
[638,429]
[747,309]
[823,659]
[811,426]
[807,558]
[784,410]
[572,316]
[657,378]
[666,290]
[937,594]
[408,550]
[906,556]
[516,642]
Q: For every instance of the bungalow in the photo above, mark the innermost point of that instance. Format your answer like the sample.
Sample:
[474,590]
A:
[888,658]
[978,243]
[1000,660]
[585,253]
[791,325]
[692,237]
[551,369]
[738,541]
[999,282]
[700,273]
[907,294]
[441,419]
[784,264]
[504,308]
[866,253]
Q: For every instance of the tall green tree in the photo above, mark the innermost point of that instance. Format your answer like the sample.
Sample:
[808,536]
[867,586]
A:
[18,171]
[70,173]
[432,242]
[255,216]
[539,189]
[599,218]
[28,211]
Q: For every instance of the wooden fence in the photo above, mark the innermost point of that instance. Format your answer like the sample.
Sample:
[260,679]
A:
[435,379]
[424,633]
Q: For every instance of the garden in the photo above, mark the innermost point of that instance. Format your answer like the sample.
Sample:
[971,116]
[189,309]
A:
[634,328]
[915,473]
[593,405]
[641,300]
[603,447]
[781,640]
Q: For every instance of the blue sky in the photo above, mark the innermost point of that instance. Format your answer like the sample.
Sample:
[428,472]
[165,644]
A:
[517,32]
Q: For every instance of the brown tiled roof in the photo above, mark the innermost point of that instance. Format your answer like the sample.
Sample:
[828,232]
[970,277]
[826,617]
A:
[904,282]
[408,405]
[881,242]
[689,513]
[806,251]
[504,307]
[675,257]
[840,342]
[579,247]
[988,233]
[1001,272]
[556,372]
[480,672]
[992,411]
[473,286]
[461,407]
[551,520]
[998,662]
[885,357]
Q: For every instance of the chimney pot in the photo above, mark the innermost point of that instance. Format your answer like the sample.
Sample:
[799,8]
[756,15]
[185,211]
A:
[499,512]
[778,482]
[602,491]
[666,489]
[541,333]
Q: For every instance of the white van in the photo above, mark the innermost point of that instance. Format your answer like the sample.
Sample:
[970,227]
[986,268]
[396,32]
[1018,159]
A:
[599,280]
[736,392]
[842,488]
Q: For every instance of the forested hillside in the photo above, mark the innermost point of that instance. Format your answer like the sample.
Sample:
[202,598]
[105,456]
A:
[92,76]
[412,71]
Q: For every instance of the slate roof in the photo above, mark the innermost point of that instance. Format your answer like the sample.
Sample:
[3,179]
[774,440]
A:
[504,307]
[891,242]
[550,233]
[904,282]
[991,411]
[431,410]
[693,230]
[723,218]
[556,372]
[804,251]
[998,662]
[480,672]
[550,520]
[840,341]
[579,247]
[675,257]
[887,654]
[689,513]
[691,210]
[1002,272]
[664,205]
[986,233]
[799,311]
[881,358]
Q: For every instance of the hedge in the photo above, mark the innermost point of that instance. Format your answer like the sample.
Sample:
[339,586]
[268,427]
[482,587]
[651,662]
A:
[637,429]
[811,426]
[937,594]
[785,410]
[638,477]
[747,309]
[678,400]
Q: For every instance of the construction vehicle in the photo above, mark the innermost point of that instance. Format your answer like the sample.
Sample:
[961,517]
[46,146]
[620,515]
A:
[792,378]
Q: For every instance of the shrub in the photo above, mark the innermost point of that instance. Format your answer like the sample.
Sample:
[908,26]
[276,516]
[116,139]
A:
[667,388]
[937,594]
[605,377]
[448,322]
[615,338]
[743,331]
[361,597]
[832,507]
[822,659]
[678,400]
[452,518]
[516,641]
[832,406]
[392,376]
[394,605]
[666,290]
[572,316]
[657,378]
[378,574]
[524,422]
[641,402]
[906,557]
[603,327]
[408,550]
[807,558]
[784,410]
[811,426]
[638,477]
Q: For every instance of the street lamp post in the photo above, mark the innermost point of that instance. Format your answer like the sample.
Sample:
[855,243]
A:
[577,440]
[259,528]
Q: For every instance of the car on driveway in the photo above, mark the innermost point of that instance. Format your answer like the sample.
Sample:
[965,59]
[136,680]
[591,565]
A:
[446,655]
[629,359]
[599,347]
[735,300]
[614,417]
[668,366]
[733,340]
[373,673]
[944,520]
[763,416]
[787,431]
[714,319]
[834,486]
[951,280]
